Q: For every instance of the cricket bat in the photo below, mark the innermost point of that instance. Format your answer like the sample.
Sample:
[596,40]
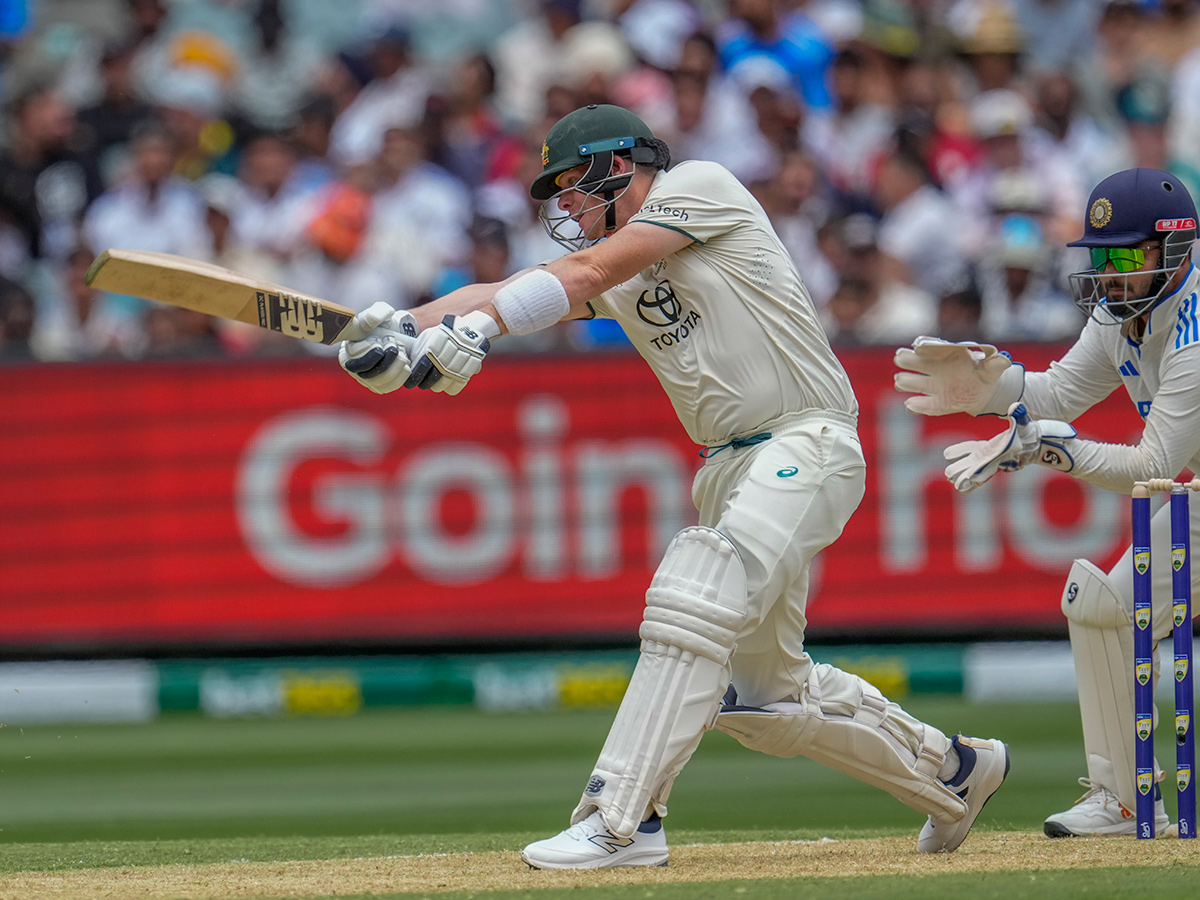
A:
[217,291]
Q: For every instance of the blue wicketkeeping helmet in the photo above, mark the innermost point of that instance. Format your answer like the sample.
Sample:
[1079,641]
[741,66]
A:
[1126,209]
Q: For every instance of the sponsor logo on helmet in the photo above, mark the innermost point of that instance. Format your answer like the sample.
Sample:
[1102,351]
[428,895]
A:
[545,155]
[1101,213]
[1174,224]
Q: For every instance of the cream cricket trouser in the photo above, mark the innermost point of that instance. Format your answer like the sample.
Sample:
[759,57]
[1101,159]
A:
[780,503]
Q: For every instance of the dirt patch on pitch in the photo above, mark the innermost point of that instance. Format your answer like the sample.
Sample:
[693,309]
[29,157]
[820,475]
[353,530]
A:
[504,871]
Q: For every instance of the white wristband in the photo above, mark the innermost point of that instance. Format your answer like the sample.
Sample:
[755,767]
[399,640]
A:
[482,322]
[534,301]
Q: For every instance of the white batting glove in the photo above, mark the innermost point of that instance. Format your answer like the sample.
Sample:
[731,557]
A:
[445,358]
[379,359]
[1046,442]
[957,377]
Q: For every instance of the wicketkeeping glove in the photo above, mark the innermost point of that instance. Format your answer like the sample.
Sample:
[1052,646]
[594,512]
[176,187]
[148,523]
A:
[957,377]
[1046,442]
[379,360]
[445,358]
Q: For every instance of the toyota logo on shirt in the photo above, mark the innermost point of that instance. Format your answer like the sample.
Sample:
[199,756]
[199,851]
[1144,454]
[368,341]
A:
[662,309]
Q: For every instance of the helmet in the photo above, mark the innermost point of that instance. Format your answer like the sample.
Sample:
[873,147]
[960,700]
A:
[592,136]
[578,136]
[1125,209]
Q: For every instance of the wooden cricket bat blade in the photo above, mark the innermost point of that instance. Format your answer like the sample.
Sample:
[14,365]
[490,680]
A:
[217,291]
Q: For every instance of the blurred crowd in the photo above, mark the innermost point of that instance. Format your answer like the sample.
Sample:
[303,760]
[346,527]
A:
[923,161]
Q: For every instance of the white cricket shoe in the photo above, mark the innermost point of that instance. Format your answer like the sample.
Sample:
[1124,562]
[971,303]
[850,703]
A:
[1100,812]
[983,766]
[590,845]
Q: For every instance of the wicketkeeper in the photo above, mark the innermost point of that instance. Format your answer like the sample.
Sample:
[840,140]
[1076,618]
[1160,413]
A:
[1140,294]
[687,262]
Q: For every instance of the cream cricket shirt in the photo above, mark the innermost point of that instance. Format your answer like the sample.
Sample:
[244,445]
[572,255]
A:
[726,323]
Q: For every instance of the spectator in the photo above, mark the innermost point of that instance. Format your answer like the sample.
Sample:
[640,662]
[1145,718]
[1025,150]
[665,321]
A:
[275,203]
[75,322]
[920,235]
[529,55]
[276,75]
[105,128]
[870,305]
[421,213]
[17,310]
[762,28]
[150,208]
[395,95]
[45,184]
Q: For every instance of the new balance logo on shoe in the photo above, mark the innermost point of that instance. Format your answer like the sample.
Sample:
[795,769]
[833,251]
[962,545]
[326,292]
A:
[608,841]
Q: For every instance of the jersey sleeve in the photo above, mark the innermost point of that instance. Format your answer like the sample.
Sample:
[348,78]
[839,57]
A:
[1074,384]
[1170,438]
[700,199]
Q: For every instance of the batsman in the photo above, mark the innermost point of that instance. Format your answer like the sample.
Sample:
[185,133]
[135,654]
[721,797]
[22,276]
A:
[687,262]
[1143,332]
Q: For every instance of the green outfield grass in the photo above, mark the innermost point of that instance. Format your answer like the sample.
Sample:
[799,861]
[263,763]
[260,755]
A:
[454,770]
[397,782]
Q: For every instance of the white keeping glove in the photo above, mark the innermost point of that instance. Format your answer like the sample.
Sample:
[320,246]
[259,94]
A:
[1046,442]
[957,377]
[445,358]
[379,358]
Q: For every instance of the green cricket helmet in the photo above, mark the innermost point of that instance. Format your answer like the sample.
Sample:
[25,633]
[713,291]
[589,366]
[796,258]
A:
[590,136]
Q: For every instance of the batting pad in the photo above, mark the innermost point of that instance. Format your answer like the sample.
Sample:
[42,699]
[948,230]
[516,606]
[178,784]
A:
[695,607]
[845,723]
[1102,644]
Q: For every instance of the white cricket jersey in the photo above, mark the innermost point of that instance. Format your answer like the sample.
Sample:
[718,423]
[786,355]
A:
[726,323]
[1162,376]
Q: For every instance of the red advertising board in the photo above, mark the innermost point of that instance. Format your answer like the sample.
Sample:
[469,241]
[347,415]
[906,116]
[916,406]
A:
[276,502]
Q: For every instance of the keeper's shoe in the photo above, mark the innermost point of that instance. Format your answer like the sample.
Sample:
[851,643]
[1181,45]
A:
[1099,812]
[983,766]
[590,845]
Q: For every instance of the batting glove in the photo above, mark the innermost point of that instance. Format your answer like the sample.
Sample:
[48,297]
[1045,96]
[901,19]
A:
[445,358]
[379,360]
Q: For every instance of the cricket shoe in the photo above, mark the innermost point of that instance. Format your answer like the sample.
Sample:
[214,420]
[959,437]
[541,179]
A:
[1100,812]
[590,845]
[983,766]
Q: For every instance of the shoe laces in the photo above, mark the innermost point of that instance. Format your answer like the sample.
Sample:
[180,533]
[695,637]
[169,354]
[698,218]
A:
[1097,793]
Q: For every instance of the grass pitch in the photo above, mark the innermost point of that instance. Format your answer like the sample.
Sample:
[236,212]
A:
[423,801]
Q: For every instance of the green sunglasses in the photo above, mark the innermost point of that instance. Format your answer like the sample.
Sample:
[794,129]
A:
[1124,259]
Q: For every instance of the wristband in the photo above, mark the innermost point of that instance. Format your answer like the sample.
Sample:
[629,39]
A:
[534,301]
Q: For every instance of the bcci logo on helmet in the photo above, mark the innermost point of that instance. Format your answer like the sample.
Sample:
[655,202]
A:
[1101,212]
